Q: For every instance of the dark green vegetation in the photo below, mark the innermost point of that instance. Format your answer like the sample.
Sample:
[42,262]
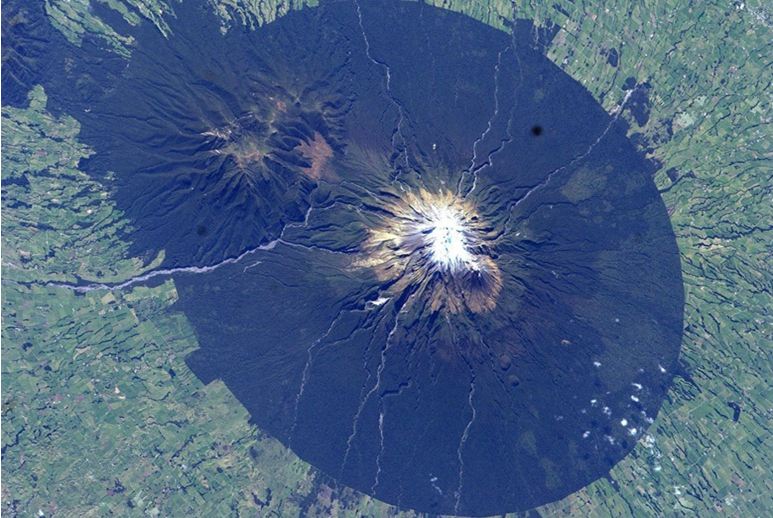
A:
[421,405]
[705,67]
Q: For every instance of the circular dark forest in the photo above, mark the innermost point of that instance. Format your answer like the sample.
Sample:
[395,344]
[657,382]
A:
[420,254]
